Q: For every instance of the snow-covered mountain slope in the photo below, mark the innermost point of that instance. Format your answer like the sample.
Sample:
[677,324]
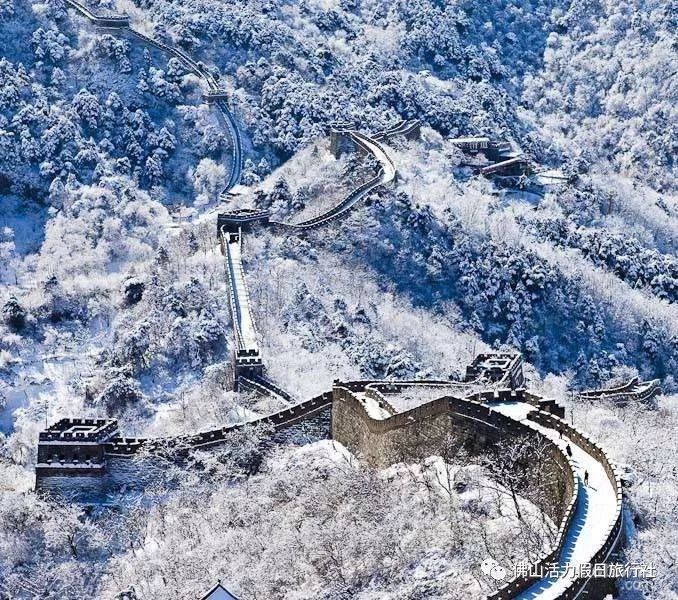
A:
[114,296]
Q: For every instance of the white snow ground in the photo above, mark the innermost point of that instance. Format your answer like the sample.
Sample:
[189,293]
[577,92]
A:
[372,407]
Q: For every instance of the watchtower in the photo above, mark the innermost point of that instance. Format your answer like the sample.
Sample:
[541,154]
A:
[241,220]
[248,363]
[214,96]
[500,150]
[341,141]
[505,368]
[111,21]
[74,448]
[472,144]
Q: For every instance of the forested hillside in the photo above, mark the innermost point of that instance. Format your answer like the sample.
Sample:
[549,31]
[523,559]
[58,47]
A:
[114,300]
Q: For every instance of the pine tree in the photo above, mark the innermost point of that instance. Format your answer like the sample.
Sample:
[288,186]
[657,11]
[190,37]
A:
[14,314]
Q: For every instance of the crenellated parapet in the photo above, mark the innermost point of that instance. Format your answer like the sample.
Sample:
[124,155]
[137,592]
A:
[242,219]
[516,166]
[501,368]
[472,144]
[507,161]
[112,22]
[74,447]
[102,20]
[522,395]
[493,149]
[84,459]
[248,359]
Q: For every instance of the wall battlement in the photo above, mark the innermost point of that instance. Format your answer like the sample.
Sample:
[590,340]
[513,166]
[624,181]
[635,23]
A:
[424,430]
[80,429]
[492,149]
[503,368]
[111,22]
[243,219]
[410,130]
[515,166]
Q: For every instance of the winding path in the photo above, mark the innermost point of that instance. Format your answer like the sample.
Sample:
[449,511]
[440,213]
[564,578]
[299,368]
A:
[387,174]
[591,527]
[595,513]
[632,391]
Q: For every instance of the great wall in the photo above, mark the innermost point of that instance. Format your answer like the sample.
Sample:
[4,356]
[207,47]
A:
[633,391]
[85,458]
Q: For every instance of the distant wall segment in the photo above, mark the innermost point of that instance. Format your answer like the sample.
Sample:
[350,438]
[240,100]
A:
[212,94]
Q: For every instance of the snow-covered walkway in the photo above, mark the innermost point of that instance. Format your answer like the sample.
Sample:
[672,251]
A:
[595,513]
[372,407]
[242,317]
[389,170]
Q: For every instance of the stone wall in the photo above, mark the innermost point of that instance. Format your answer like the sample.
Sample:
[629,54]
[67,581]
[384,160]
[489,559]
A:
[72,488]
[312,428]
[424,430]
[341,142]
[381,443]
[240,220]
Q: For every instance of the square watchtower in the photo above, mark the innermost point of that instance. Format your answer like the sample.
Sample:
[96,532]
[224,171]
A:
[74,448]
[503,368]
